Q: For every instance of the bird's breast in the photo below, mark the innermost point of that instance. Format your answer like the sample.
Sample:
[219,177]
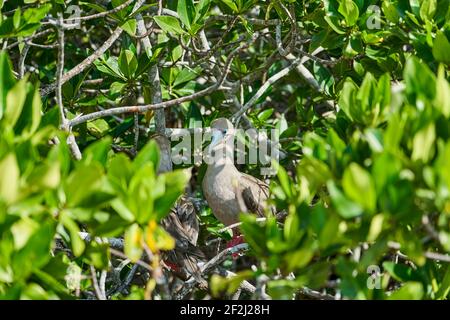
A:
[219,189]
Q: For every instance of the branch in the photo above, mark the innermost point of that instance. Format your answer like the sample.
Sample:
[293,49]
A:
[161,105]
[128,278]
[207,267]
[153,74]
[259,22]
[37,35]
[114,243]
[97,290]
[100,14]
[85,63]
[245,285]
[74,150]
[307,75]
[23,56]
[284,72]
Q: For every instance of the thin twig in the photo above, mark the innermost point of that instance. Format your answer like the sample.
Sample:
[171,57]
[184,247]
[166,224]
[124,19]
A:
[85,63]
[23,56]
[97,290]
[279,75]
[237,224]
[128,278]
[100,14]
[165,104]
[123,256]
[71,142]
[207,267]
[37,35]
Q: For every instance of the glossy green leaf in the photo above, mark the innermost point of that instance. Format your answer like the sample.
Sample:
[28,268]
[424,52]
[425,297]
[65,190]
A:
[359,187]
[169,24]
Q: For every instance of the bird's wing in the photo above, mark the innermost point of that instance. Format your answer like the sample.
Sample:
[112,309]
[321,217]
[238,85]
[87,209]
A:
[186,255]
[175,228]
[188,218]
[254,193]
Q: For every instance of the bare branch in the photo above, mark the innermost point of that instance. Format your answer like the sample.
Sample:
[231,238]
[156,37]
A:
[71,142]
[144,108]
[97,290]
[85,63]
[100,14]
[153,75]
[284,72]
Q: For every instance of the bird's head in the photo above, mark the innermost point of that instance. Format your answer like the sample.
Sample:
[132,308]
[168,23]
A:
[222,129]
[222,142]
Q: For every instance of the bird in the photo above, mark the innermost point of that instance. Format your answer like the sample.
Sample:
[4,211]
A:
[228,191]
[182,224]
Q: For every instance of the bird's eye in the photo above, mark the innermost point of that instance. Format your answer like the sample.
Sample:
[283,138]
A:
[224,131]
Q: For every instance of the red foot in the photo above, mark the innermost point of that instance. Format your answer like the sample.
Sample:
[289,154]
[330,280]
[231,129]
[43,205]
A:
[172,266]
[234,242]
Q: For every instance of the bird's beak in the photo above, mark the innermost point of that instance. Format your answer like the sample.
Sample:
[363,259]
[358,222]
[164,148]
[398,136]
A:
[216,138]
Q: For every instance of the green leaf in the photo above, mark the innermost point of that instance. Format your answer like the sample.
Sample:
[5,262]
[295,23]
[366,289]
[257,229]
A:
[133,242]
[148,154]
[346,208]
[201,9]
[333,22]
[35,15]
[424,143]
[122,210]
[98,127]
[428,9]
[10,174]
[122,13]
[130,26]
[22,231]
[186,12]
[109,66]
[169,24]
[77,243]
[7,80]
[15,101]
[347,100]
[420,82]
[127,63]
[46,175]
[30,118]
[359,187]
[264,115]
[175,183]
[285,181]
[444,288]
[231,4]
[186,75]
[97,255]
[442,101]
[97,152]
[194,117]
[441,48]
[409,291]
[401,272]
[16,18]
[350,11]
[83,183]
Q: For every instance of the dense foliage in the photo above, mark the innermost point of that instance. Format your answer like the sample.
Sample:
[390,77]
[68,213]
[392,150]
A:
[358,90]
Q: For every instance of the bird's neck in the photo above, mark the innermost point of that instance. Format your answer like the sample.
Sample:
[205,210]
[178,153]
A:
[221,156]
